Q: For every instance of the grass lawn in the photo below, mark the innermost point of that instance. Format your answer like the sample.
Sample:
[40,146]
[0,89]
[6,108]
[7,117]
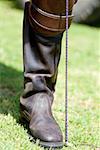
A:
[83,85]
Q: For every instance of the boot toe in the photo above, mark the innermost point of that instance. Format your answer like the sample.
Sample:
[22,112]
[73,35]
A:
[47,134]
[48,138]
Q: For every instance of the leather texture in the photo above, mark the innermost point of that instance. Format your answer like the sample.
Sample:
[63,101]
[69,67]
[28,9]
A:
[46,23]
[49,16]
[52,6]
[41,58]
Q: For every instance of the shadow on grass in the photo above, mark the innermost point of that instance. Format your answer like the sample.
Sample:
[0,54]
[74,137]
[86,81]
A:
[11,85]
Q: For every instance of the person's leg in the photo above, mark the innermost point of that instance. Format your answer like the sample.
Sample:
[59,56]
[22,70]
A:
[41,54]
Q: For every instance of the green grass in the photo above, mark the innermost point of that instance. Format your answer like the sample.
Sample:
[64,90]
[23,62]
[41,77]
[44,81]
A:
[83,85]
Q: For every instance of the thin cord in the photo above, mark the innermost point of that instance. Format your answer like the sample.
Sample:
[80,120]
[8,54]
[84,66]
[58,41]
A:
[66,79]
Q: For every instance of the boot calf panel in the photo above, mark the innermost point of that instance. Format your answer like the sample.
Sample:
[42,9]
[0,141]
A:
[41,58]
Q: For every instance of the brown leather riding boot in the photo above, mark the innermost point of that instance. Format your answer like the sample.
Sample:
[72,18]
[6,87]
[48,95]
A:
[41,59]
[43,29]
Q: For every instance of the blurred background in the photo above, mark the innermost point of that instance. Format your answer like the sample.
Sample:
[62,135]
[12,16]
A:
[83,78]
[87,12]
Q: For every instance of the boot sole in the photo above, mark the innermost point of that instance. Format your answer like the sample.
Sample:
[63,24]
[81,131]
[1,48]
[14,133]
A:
[25,120]
[49,145]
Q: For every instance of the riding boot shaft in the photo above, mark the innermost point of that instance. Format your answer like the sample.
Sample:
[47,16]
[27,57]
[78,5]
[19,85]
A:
[43,29]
